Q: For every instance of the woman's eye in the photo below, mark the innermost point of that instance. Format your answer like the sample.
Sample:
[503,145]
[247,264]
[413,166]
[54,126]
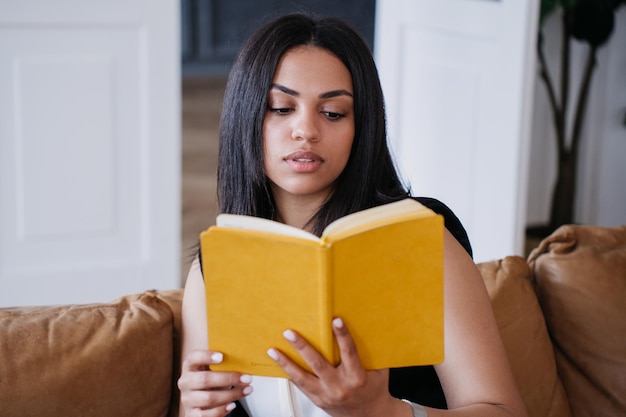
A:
[333,116]
[280,110]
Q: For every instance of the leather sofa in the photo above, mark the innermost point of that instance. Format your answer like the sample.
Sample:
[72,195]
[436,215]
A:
[561,313]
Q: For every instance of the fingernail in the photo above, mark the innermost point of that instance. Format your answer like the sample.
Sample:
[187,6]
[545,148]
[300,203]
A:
[245,379]
[272,354]
[289,335]
[338,323]
[248,390]
[231,407]
[217,357]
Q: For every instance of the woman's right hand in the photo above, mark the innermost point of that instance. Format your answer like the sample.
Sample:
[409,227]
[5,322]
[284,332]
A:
[206,393]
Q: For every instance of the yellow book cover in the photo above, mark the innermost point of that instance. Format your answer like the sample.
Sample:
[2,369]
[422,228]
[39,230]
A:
[380,270]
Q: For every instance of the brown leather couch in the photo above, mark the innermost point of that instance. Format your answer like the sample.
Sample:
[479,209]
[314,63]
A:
[562,315]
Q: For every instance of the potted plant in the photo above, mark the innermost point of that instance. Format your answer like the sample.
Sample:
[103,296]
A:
[590,22]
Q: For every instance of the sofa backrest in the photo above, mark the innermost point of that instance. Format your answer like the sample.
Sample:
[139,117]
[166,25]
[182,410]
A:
[580,280]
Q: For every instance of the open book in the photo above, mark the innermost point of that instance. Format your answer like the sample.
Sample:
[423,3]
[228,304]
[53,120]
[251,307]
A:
[380,270]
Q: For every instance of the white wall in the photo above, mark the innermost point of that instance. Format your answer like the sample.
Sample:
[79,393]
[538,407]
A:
[601,192]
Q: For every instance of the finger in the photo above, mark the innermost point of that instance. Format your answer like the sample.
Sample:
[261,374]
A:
[291,368]
[201,360]
[213,412]
[347,348]
[214,399]
[302,378]
[311,356]
[209,380]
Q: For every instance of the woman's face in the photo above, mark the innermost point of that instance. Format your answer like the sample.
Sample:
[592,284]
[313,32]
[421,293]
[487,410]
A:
[309,124]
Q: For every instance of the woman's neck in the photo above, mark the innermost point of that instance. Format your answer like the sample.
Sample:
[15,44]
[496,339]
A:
[297,212]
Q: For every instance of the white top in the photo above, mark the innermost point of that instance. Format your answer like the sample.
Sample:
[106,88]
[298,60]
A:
[278,397]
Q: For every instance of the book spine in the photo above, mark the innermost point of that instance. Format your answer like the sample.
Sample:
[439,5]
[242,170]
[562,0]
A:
[326,305]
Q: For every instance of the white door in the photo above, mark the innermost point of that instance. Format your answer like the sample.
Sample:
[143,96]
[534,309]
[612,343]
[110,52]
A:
[458,76]
[89,149]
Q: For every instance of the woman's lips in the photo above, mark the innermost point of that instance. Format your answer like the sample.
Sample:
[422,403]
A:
[304,161]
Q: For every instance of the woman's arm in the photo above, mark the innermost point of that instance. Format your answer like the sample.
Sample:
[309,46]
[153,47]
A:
[475,375]
[203,392]
[194,312]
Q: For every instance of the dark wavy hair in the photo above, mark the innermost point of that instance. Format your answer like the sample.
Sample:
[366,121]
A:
[369,178]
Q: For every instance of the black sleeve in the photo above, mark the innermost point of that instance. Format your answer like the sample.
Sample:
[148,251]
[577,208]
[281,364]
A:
[452,223]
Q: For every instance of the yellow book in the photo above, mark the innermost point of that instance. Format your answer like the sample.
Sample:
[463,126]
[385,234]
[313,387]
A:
[380,270]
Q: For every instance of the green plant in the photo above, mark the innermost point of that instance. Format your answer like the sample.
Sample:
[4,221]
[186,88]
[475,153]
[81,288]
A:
[590,22]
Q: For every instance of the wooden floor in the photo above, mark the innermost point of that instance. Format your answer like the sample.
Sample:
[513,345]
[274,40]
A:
[201,105]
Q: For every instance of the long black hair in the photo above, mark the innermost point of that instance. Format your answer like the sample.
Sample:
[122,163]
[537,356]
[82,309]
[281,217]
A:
[369,178]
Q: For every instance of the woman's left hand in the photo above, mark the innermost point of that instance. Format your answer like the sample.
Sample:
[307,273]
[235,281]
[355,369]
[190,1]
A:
[343,390]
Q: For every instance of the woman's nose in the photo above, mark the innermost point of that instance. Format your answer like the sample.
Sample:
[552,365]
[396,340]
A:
[305,127]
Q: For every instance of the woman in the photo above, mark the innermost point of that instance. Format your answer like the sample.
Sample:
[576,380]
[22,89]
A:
[303,141]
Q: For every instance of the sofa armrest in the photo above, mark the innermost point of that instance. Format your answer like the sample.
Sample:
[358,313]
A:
[87,360]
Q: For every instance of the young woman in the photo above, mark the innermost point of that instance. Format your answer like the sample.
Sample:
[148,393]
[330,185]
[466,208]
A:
[303,141]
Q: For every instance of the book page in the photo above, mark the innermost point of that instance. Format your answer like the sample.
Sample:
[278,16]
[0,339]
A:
[237,221]
[375,217]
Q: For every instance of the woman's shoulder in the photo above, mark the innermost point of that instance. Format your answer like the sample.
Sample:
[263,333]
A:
[451,221]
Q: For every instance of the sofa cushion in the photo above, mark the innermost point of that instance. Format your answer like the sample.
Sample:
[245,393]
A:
[87,360]
[580,274]
[525,337]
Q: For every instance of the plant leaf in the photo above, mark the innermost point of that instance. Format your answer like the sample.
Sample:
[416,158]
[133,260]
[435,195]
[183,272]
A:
[591,21]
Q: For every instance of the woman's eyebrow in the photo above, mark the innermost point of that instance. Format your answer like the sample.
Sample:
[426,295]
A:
[335,93]
[328,94]
[285,90]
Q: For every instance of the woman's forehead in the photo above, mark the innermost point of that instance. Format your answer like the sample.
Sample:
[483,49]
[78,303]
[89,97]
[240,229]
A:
[310,67]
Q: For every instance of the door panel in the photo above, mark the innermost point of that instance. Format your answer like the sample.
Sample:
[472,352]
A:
[455,75]
[89,150]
